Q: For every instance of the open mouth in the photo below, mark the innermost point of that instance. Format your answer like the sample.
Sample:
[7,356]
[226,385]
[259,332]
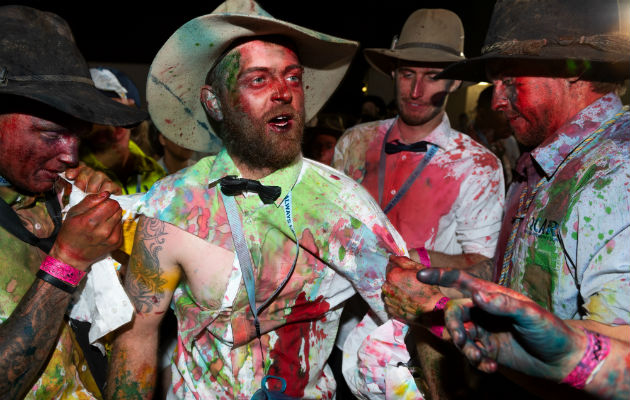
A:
[281,123]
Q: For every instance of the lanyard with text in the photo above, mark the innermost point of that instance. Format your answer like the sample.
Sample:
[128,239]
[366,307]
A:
[244,257]
[382,165]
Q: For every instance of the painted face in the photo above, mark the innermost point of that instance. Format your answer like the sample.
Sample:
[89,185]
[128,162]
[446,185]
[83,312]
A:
[535,107]
[33,150]
[420,98]
[264,114]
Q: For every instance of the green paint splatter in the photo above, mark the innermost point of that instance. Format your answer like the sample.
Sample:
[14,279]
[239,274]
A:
[602,183]
[574,235]
[356,224]
[608,210]
[342,253]
[197,44]
[610,232]
[587,219]
[600,236]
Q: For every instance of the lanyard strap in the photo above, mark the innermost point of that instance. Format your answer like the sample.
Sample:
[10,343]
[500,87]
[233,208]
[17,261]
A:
[244,256]
[382,166]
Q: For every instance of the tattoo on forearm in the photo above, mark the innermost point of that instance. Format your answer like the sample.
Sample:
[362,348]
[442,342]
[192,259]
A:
[28,337]
[146,287]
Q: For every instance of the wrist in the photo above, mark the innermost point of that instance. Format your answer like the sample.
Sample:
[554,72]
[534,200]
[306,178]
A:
[423,256]
[57,252]
[596,350]
[60,275]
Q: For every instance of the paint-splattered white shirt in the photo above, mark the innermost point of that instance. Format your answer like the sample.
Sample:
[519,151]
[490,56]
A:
[455,205]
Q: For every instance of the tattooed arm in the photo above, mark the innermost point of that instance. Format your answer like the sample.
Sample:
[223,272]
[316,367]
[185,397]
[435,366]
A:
[496,326]
[150,280]
[91,230]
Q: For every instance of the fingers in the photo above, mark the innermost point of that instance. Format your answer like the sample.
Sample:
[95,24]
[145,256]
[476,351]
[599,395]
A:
[403,262]
[453,278]
[91,181]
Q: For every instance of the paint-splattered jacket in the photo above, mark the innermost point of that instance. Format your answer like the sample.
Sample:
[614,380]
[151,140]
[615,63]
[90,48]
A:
[67,375]
[572,253]
[455,205]
[344,240]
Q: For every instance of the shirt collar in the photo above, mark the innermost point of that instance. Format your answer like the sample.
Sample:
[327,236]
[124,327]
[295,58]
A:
[440,136]
[550,154]
[286,178]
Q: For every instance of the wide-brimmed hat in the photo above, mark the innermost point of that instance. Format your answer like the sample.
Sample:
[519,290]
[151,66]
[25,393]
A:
[180,67]
[582,37]
[428,35]
[39,60]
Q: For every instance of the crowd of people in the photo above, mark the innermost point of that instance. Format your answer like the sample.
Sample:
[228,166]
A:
[278,251]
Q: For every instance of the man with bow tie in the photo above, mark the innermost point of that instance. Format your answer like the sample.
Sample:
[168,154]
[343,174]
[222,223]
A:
[255,248]
[442,191]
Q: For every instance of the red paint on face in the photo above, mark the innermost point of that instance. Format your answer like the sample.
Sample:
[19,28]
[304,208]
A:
[420,98]
[293,338]
[265,115]
[33,150]
[535,107]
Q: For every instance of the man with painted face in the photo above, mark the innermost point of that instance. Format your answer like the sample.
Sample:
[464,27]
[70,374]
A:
[565,239]
[255,248]
[47,103]
[441,190]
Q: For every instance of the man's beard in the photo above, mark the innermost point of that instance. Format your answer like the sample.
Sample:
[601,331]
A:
[252,144]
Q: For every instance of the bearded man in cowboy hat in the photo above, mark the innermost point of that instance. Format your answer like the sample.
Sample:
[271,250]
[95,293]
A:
[257,272]
[442,191]
[565,238]
[47,103]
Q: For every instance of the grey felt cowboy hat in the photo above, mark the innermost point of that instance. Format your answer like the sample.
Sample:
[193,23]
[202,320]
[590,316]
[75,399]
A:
[583,37]
[428,35]
[180,67]
[39,60]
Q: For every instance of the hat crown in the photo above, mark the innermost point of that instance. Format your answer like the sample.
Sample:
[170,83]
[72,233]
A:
[554,20]
[34,42]
[432,26]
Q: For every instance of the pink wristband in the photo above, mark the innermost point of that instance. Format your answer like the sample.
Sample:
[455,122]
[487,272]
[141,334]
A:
[61,271]
[437,330]
[597,349]
[423,255]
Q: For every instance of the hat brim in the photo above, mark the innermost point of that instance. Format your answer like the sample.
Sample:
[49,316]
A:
[474,69]
[79,100]
[385,60]
[180,67]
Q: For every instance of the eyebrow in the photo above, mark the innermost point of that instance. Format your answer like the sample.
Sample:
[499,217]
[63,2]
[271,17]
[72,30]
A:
[265,69]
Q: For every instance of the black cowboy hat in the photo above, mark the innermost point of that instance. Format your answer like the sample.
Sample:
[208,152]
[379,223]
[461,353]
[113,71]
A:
[39,60]
[576,37]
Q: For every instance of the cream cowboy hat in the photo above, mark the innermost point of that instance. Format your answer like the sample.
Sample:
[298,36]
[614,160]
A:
[429,35]
[180,67]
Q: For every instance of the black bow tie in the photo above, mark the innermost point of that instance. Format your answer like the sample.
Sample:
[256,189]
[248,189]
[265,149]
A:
[395,146]
[232,186]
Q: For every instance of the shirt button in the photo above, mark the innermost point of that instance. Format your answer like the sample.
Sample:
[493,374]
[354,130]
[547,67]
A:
[404,157]
[38,225]
[393,191]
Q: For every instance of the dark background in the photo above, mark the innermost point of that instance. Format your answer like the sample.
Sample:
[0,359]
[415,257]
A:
[133,32]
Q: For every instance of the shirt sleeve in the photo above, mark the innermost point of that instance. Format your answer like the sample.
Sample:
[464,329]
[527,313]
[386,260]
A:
[602,249]
[480,210]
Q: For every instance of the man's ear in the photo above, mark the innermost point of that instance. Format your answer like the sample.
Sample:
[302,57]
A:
[211,103]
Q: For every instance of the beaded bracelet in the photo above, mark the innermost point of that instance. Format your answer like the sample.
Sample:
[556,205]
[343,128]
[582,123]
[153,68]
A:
[60,275]
[597,349]
[423,255]
[437,330]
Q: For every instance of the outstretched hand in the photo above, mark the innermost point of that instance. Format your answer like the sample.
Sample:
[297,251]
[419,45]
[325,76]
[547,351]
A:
[498,326]
[90,231]
[406,297]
